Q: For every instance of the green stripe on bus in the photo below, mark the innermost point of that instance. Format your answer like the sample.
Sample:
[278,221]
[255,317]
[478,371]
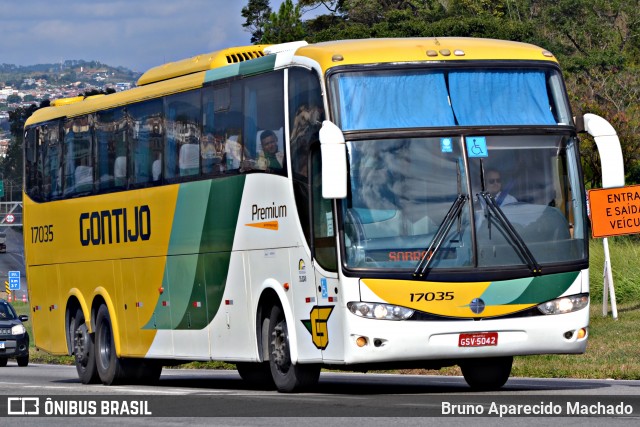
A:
[546,288]
[254,66]
[199,253]
[258,65]
[222,73]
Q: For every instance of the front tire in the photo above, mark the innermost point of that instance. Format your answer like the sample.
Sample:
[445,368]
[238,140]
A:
[84,350]
[487,374]
[288,377]
[110,367]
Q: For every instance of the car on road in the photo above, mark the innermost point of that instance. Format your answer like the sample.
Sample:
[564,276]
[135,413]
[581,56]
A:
[3,241]
[14,338]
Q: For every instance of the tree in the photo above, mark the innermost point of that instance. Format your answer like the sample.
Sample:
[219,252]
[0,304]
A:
[597,43]
[284,26]
[256,14]
[14,99]
[11,165]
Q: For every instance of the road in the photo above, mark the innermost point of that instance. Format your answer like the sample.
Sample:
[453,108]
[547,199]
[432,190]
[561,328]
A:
[13,260]
[221,398]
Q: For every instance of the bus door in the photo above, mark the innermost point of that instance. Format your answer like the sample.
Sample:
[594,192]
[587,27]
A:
[326,319]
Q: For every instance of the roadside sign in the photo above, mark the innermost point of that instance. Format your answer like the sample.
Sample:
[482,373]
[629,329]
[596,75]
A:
[14,280]
[6,287]
[615,211]
[10,218]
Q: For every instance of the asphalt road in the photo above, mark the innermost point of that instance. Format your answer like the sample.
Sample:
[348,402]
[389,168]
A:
[13,260]
[221,398]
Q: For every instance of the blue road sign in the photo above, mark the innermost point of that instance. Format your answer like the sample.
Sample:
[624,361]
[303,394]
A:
[14,280]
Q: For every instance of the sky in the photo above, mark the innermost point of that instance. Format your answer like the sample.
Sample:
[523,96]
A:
[136,34]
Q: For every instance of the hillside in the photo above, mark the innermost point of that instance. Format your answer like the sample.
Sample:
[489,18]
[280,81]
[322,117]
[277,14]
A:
[92,73]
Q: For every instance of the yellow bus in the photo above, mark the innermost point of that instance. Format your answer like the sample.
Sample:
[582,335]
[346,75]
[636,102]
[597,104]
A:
[355,204]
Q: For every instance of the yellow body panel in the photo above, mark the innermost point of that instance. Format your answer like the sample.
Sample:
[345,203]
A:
[439,298]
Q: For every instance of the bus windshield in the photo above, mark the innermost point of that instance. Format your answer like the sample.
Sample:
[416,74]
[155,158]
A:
[517,200]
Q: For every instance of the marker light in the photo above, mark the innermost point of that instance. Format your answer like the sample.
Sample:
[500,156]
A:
[372,310]
[361,341]
[565,304]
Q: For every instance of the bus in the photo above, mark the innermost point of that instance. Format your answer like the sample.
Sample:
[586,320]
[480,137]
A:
[290,207]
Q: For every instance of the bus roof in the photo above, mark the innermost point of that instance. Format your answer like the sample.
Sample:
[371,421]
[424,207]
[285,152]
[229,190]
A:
[376,51]
[204,62]
[191,73]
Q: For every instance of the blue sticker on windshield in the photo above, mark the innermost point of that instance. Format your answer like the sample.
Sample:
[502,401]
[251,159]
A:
[446,145]
[477,146]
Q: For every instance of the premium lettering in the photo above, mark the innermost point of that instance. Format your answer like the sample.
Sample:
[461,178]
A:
[268,212]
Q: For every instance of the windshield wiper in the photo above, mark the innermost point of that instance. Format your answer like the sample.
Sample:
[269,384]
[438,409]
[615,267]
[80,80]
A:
[520,245]
[441,234]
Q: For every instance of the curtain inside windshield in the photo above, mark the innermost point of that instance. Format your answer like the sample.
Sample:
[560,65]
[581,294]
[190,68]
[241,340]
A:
[402,99]
[500,98]
[377,101]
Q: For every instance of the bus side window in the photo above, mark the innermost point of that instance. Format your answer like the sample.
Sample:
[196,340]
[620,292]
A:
[324,233]
[305,118]
[111,149]
[146,136]
[183,119]
[264,122]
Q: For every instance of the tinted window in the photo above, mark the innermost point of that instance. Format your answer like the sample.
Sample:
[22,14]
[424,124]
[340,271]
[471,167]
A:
[146,132]
[183,135]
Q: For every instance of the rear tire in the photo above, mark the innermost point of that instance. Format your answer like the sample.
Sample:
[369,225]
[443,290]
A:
[3,361]
[84,350]
[23,361]
[487,374]
[110,367]
[287,376]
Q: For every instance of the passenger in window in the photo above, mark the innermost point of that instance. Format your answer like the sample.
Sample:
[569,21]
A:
[213,153]
[236,154]
[493,184]
[270,159]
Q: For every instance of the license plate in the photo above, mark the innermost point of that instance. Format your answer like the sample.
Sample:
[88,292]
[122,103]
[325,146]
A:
[480,339]
[1,344]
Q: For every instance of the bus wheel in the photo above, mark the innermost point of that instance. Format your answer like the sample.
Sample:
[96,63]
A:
[256,374]
[487,374]
[110,367]
[286,376]
[83,350]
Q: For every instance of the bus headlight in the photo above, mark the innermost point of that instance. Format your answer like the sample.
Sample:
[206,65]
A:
[374,310]
[564,304]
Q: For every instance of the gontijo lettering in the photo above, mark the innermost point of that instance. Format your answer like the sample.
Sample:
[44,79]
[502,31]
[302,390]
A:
[120,225]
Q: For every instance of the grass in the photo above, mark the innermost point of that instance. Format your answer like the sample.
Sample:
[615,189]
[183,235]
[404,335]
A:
[611,351]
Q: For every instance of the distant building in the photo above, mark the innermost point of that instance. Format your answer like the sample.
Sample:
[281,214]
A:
[123,86]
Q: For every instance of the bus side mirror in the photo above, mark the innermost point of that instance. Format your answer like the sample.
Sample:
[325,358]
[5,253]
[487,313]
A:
[334,161]
[609,150]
